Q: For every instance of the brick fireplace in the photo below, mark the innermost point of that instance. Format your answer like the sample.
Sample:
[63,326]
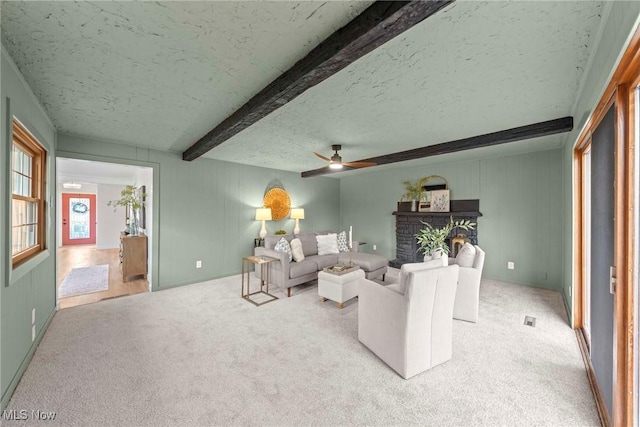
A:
[408,224]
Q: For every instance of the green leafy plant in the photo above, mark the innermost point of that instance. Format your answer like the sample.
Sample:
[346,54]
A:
[431,238]
[130,198]
[414,190]
[281,232]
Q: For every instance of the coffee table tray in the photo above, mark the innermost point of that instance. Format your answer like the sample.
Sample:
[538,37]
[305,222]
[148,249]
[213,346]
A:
[340,269]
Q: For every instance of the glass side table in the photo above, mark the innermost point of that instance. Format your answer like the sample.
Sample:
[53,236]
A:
[265,272]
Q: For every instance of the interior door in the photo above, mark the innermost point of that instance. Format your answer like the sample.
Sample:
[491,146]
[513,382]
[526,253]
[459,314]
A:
[78,219]
[602,256]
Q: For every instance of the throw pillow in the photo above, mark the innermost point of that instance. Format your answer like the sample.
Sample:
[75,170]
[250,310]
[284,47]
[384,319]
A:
[342,242]
[327,244]
[309,243]
[466,256]
[296,250]
[283,246]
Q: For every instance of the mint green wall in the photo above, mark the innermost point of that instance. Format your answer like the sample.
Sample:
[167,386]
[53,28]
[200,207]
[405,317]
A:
[620,21]
[520,198]
[32,285]
[207,207]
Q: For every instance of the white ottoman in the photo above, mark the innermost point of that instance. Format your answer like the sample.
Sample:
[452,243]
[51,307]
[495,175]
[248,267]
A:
[339,288]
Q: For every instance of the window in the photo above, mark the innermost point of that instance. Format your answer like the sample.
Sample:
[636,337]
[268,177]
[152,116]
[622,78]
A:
[28,160]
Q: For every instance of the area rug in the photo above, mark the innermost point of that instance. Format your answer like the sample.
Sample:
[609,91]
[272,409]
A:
[85,280]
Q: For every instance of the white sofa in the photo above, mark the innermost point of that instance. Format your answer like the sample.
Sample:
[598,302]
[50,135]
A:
[409,325]
[468,294]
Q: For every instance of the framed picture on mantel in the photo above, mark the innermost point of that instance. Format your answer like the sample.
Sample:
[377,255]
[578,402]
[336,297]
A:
[440,201]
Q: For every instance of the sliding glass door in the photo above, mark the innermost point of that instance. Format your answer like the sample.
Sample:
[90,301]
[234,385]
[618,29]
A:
[607,245]
[601,242]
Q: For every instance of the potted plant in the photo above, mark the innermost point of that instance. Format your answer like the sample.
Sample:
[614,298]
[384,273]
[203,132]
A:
[412,195]
[131,199]
[431,240]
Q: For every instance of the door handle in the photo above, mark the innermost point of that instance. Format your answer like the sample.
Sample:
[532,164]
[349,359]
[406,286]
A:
[612,280]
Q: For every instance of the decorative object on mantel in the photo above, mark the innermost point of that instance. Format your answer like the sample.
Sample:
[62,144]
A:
[439,201]
[432,240]
[412,196]
[263,214]
[132,200]
[279,232]
[435,196]
[421,197]
[279,202]
[297,214]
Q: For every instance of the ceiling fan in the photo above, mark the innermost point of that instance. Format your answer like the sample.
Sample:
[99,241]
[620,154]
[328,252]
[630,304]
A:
[335,162]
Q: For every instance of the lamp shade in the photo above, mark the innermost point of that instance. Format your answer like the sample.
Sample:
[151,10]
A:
[263,214]
[297,213]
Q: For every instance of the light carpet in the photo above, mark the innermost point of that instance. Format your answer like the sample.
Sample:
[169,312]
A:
[200,355]
[85,280]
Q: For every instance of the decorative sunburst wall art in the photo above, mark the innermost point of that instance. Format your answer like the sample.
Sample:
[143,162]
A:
[278,200]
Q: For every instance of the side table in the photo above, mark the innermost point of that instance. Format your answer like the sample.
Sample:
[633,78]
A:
[265,271]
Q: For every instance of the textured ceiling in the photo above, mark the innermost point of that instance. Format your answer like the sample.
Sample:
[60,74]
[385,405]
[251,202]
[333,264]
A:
[161,74]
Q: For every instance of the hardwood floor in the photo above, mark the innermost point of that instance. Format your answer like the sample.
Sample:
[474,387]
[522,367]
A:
[70,257]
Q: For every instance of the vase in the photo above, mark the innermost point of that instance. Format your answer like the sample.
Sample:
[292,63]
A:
[435,254]
[133,223]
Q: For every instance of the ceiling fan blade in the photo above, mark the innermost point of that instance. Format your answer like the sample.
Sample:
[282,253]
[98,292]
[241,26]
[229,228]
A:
[326,159]
[359,164]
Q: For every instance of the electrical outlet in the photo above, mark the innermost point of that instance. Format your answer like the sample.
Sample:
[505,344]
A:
[33,333]
[199,264]
[375,247]
[511,265]
[33,316]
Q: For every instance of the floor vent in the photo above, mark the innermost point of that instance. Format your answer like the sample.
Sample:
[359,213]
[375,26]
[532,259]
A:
[530,321]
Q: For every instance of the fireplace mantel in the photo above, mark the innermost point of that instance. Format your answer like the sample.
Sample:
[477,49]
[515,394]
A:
[445,214]
[409,223]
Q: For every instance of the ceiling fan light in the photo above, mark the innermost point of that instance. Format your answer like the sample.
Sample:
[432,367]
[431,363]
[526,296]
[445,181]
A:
[335,166]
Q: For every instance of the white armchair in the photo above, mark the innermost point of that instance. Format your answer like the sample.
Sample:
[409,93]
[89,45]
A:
[468,294]
[409,325]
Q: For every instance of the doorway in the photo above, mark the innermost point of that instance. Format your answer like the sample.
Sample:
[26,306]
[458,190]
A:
[89,230]
[78,219]
[605,279]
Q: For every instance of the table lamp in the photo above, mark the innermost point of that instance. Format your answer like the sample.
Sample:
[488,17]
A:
[297,214]
[263,214]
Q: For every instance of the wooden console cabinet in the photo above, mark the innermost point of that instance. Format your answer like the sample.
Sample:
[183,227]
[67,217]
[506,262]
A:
[133,255]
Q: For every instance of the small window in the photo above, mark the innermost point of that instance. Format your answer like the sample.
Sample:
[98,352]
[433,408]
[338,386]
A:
[28,160]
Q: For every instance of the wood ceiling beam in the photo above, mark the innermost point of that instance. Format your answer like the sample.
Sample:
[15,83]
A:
[379,23]
[536,130]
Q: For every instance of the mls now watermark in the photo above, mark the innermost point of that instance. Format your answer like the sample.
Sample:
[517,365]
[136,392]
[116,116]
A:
[24,415]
